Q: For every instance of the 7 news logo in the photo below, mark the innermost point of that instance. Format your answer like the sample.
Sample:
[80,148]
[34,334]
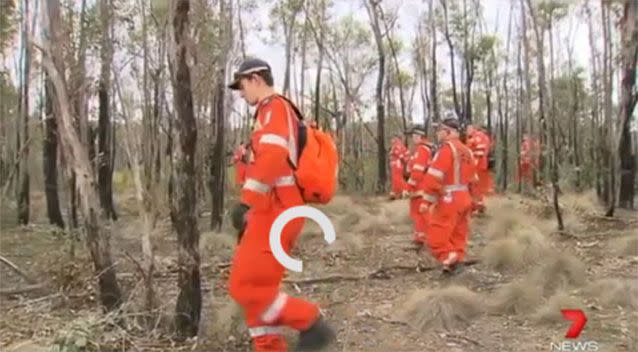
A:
[578,319]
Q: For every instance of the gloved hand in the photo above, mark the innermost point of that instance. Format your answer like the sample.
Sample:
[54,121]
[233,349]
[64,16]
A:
[238,216]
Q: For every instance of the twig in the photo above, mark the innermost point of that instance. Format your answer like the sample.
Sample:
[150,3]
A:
[17,270]
[19,290]
[459,337]
[381,273]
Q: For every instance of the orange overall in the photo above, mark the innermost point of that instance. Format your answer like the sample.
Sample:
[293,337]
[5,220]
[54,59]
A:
[418,164]
[269,189]
[480,144]
[528,162]
[239,160]
[398,153]
[447,186]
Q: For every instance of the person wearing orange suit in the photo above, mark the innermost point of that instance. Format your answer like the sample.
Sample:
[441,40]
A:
[447,187]
[240,160]
[417,166]
[398,156]
[480,144]
[269,189]
[528,160]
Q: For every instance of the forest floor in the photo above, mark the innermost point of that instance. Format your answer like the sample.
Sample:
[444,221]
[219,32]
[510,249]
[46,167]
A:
[378,291]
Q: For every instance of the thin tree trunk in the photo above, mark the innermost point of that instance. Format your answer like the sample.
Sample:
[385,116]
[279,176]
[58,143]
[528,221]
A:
[448,38]
[436,115]
[24,176]
[97,235]
[104,173]
[184,206]
[50,158]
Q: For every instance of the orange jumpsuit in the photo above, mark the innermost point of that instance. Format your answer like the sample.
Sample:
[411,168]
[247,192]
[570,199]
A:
[447,185]
[528,162]
[480,144]
[269,189]
[418,164]
[398,153]
[239,160]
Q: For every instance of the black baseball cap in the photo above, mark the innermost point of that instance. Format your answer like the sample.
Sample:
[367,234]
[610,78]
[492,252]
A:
[248,67]
[418,130]
[449,123]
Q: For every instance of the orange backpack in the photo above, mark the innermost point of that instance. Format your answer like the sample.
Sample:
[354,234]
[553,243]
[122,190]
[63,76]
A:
[317,167]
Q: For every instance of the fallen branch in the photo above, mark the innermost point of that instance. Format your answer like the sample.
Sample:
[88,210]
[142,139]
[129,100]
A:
[16,269]
[19,290]
[381,273]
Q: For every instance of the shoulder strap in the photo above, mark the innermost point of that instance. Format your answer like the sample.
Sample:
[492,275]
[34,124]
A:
[293,106]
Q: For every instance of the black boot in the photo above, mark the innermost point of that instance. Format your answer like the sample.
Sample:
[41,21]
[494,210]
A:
[318,336]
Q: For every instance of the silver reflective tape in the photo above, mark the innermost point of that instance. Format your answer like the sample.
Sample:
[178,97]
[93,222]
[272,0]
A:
[286,181]
[274,310]
[265,330]
[436,173]
[274,139]
[256,186]
[430,198]
[412,182]
[455,188]
[419,167]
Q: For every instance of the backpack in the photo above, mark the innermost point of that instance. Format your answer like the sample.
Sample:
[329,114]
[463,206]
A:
[317,168]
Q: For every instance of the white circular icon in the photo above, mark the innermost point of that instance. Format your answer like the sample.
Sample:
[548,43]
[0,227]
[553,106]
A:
[302,211]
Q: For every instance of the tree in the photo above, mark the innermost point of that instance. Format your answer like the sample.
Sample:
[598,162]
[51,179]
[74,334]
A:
[23,141]
[104,168]
[50,157]
[373,8]
[97,235]
[184,206]
[629,97]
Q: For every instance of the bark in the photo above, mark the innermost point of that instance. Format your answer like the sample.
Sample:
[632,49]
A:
[50,159]
[545,105]
[629,97]
[184,205]
[24,179]
[448,39]
[371,6]
[97,235]
[104,169]
[609,181]
[595,110]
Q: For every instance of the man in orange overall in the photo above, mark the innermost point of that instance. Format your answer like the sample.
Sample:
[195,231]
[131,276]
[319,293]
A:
[447,186]
[398,156]
[417,166]
[529,160]
[269,189]
[241,162]
[479,142]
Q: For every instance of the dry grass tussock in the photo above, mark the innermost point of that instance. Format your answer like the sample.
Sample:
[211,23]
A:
[559,270]
[614,292]
[449,308]
[517,297]
[508,216]
[581,202]
[550,311]
[524,246]
[626,245]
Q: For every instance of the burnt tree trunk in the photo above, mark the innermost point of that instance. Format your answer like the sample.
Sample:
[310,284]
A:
[104,169]
[50,158]
[184,205]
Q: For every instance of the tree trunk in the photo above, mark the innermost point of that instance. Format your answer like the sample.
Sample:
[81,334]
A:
[50,158]
[104,169]
[436,115]
[184,206]
[448,38]
[629,54]
[97,235]
[24,176]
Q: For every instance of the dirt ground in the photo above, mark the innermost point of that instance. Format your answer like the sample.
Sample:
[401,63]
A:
[368,283]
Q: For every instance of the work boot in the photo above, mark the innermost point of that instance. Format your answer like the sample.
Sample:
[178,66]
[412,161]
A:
[318,336]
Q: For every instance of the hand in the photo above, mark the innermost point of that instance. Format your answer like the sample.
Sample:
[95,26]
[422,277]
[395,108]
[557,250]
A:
[238,216]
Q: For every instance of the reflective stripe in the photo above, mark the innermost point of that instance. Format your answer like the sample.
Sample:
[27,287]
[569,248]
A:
[419,167]
[418,193]
[266,330]
[430,198]
[256,186]
[286,181]
[254,69]
[292,142]
[436,173]
[412,182]
[479,153]
[273,311]
[457,164]
[274,139]
[481,146]
[455,188]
